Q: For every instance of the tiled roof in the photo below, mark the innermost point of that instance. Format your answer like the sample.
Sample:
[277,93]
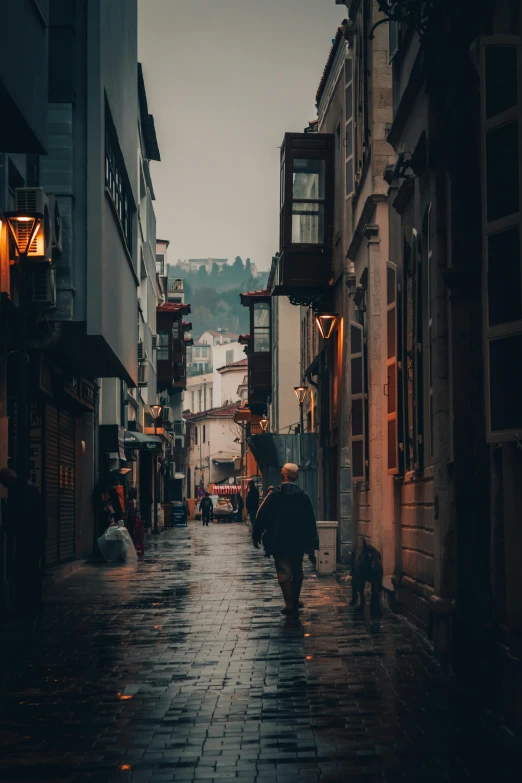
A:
[240,363]
[227,412]
[329,63]
[262,292]
[174,307]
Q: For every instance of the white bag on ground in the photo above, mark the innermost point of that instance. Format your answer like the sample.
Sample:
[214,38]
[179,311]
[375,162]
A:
[116,545]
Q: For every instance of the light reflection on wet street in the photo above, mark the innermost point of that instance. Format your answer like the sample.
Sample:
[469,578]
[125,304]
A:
[182,668]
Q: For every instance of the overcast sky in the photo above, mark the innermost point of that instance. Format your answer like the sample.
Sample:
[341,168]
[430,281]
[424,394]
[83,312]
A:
[225,79]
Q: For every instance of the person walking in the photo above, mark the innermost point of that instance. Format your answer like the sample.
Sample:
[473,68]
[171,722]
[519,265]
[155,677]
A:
[26,518]
[240,507]
[252,501]
[286,525]
[206,506]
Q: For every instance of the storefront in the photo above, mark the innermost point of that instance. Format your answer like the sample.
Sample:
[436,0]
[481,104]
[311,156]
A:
[144,452]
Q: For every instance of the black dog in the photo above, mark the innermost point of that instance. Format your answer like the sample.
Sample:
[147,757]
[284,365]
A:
[367,567]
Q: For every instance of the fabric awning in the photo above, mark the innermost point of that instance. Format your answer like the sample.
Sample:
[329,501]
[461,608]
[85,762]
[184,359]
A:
[224,458]
[225,489]
[138,440]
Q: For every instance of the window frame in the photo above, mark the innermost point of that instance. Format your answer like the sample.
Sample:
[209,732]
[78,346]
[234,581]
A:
[117,184]
[392,361]
[349,191]
[499,225]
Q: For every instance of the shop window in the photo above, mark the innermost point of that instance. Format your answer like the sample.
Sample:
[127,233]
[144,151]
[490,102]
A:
[500,69]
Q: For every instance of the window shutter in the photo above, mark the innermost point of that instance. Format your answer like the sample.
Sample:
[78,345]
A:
[418,362]
[349,125]
[358,402]
[391,366]
[408,356]
[501,98]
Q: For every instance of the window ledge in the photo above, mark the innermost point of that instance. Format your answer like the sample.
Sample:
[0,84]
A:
[121,233]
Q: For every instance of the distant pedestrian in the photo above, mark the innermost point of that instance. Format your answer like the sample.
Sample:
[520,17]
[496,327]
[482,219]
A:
[27,520]
[252,501]
[134,523]
[240,507]
[186,507]
[286,525]
[206,506]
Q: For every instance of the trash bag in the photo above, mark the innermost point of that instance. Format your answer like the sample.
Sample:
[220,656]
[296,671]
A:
[116,545]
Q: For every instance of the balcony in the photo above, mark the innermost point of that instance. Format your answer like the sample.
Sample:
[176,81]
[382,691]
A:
[305,263]
[171,352]
[259,349]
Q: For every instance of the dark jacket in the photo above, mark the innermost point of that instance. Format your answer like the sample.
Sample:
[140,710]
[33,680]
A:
[252,501]
[206,504]
[286,522]
[31,531]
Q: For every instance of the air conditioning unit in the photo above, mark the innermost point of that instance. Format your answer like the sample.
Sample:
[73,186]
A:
[143,374]
[34,201]
[56,226]
[141,351]
[166,415]
[43,287]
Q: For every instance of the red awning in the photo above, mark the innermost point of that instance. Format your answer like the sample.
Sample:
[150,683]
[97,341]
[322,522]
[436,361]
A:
[224,489]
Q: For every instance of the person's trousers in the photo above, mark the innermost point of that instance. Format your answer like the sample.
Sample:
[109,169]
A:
[205,516]
[289,570]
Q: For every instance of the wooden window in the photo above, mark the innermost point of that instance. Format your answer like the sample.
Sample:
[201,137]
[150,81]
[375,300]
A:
[429,310]
[418,359]
[162,354]
[501,99]
[349,120]
[392,370]
[358,398]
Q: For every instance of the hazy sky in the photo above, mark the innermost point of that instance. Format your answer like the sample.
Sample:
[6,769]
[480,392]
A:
[225,79]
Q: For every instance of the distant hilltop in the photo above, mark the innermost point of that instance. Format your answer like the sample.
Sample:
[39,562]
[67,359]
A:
[194,264]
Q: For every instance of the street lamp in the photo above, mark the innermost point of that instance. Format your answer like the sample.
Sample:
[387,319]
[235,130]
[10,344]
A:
[23,228]
[300,393]
[263,423]
[155,412]
[326,324]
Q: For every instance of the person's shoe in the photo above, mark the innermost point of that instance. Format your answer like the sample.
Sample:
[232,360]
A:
[286,589]
[288,610]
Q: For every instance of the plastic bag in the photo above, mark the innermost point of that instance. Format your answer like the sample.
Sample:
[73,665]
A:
[116,545]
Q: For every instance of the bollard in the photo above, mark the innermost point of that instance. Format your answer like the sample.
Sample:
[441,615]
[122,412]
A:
[327,553]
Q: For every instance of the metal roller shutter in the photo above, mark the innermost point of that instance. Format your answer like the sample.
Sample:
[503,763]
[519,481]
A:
[51,482]
[59,484]
[66,537]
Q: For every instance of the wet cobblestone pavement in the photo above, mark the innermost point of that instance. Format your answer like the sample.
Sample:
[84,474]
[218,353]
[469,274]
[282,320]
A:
[183,669]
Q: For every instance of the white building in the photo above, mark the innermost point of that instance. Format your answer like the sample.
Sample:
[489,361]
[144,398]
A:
[199,395]
[214,448]
[223,356]
[228,379]
[286,364]
[219,337]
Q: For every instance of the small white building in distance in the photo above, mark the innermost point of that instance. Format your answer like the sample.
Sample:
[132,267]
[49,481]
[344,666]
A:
[214,448]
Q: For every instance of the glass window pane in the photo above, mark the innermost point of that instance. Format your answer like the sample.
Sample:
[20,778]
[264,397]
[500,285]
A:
[392,388]
[261,340]
[349,102]
[357,378]
[357,458]
[504,282]
[349,176]
[348,70]
[261,314]
[307,224]
[349,139]
[356,339]
[308,182]
[501,79]
[357,417]
[392,445]
[505,373]
[502,171]
[391,333]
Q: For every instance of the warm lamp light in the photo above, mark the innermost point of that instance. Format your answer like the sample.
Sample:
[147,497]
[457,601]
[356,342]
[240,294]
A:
[263,423]
[23,236]
[155,411]
[326,324]
[300,393]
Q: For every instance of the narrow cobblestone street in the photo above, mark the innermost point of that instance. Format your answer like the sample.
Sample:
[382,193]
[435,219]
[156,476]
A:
[184,669]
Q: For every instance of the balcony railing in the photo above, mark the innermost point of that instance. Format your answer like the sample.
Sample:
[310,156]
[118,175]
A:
[178,427]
